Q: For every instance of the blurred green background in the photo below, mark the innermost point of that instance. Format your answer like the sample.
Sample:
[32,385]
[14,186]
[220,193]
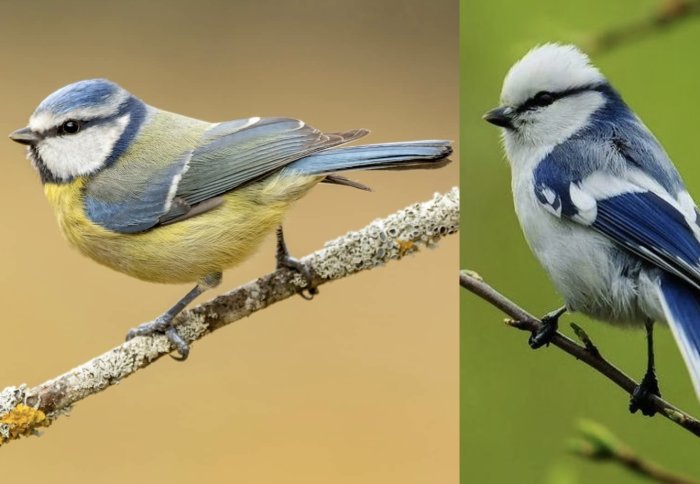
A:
[519,407]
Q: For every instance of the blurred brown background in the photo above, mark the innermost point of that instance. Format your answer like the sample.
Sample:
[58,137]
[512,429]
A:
[359,385]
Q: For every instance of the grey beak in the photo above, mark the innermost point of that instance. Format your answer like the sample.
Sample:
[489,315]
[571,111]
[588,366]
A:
[24,136]
[502,117]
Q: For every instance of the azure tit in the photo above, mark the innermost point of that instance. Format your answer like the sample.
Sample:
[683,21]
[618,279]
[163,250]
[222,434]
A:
[601,204]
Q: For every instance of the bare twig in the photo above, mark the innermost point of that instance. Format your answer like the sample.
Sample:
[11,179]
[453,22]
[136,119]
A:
[527,322]
[599,444]
[668,13]
[23,409]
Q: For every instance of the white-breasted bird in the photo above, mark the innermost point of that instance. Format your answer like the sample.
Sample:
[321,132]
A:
[168,198]
[601,204]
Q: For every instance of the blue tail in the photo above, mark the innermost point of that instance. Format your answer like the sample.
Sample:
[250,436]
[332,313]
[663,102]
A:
[681,304]
[385,156]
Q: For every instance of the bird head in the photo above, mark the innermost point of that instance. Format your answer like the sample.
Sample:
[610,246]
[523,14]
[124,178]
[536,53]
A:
[81,129]
[549,95]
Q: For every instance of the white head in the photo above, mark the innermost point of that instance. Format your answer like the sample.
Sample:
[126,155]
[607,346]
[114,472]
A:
[80,129]
[547,96]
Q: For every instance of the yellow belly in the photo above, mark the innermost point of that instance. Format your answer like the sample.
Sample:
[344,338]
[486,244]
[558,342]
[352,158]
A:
[188,250]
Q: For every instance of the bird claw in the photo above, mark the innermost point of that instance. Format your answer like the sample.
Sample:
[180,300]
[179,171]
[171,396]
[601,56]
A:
[158,325]
[162,325]
[543,336]
[550,324]
[640,399]
[284,260]
[179,343]
[310,290]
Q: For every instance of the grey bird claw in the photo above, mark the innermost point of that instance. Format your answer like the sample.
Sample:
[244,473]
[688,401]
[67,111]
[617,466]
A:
[310,290]
[289,262]
[158,325]
[179,343]
[162,326]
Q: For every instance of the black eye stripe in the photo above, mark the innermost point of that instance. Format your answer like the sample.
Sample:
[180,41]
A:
[59,130]
[84,123]
[535,101]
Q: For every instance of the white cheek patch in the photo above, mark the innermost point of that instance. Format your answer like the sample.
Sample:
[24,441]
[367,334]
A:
[557,122]
[69,156]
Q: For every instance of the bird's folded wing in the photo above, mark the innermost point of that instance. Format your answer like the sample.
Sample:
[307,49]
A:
[641,217]
[648,221]
[230,155]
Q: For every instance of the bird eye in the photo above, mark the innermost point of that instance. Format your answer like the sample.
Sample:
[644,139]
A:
[70,127]
[543,98]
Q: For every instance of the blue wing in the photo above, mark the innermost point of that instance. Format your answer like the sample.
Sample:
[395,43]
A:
[617,179]
[654,229]
[132,207]
[229,155]
[635,213]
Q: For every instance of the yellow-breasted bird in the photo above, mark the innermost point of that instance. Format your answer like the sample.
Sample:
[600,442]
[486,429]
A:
[168,198]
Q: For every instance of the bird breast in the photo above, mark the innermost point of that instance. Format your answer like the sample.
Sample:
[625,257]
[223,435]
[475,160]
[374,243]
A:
[187,250]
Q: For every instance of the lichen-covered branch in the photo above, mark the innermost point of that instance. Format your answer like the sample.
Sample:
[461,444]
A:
[667,14]
[24,409]
[586,353]
[598,444]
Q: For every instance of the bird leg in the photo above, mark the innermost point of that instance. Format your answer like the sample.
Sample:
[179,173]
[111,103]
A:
[649,386]
[163,323]
[289,262]
[544,335]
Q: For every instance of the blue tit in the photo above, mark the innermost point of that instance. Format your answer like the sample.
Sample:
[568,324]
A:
[171,199]
[601,204]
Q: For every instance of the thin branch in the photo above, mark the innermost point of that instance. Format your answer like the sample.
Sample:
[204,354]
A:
[23,409]
[527,322]
[669,13]
[599,444]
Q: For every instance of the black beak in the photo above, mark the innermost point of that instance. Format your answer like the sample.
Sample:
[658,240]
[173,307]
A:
[502,117]
[24,136]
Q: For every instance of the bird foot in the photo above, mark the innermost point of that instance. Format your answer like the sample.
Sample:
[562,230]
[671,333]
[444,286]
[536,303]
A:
[550,324]
[284,260]
[641,396]
[162,325]
[304,270]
